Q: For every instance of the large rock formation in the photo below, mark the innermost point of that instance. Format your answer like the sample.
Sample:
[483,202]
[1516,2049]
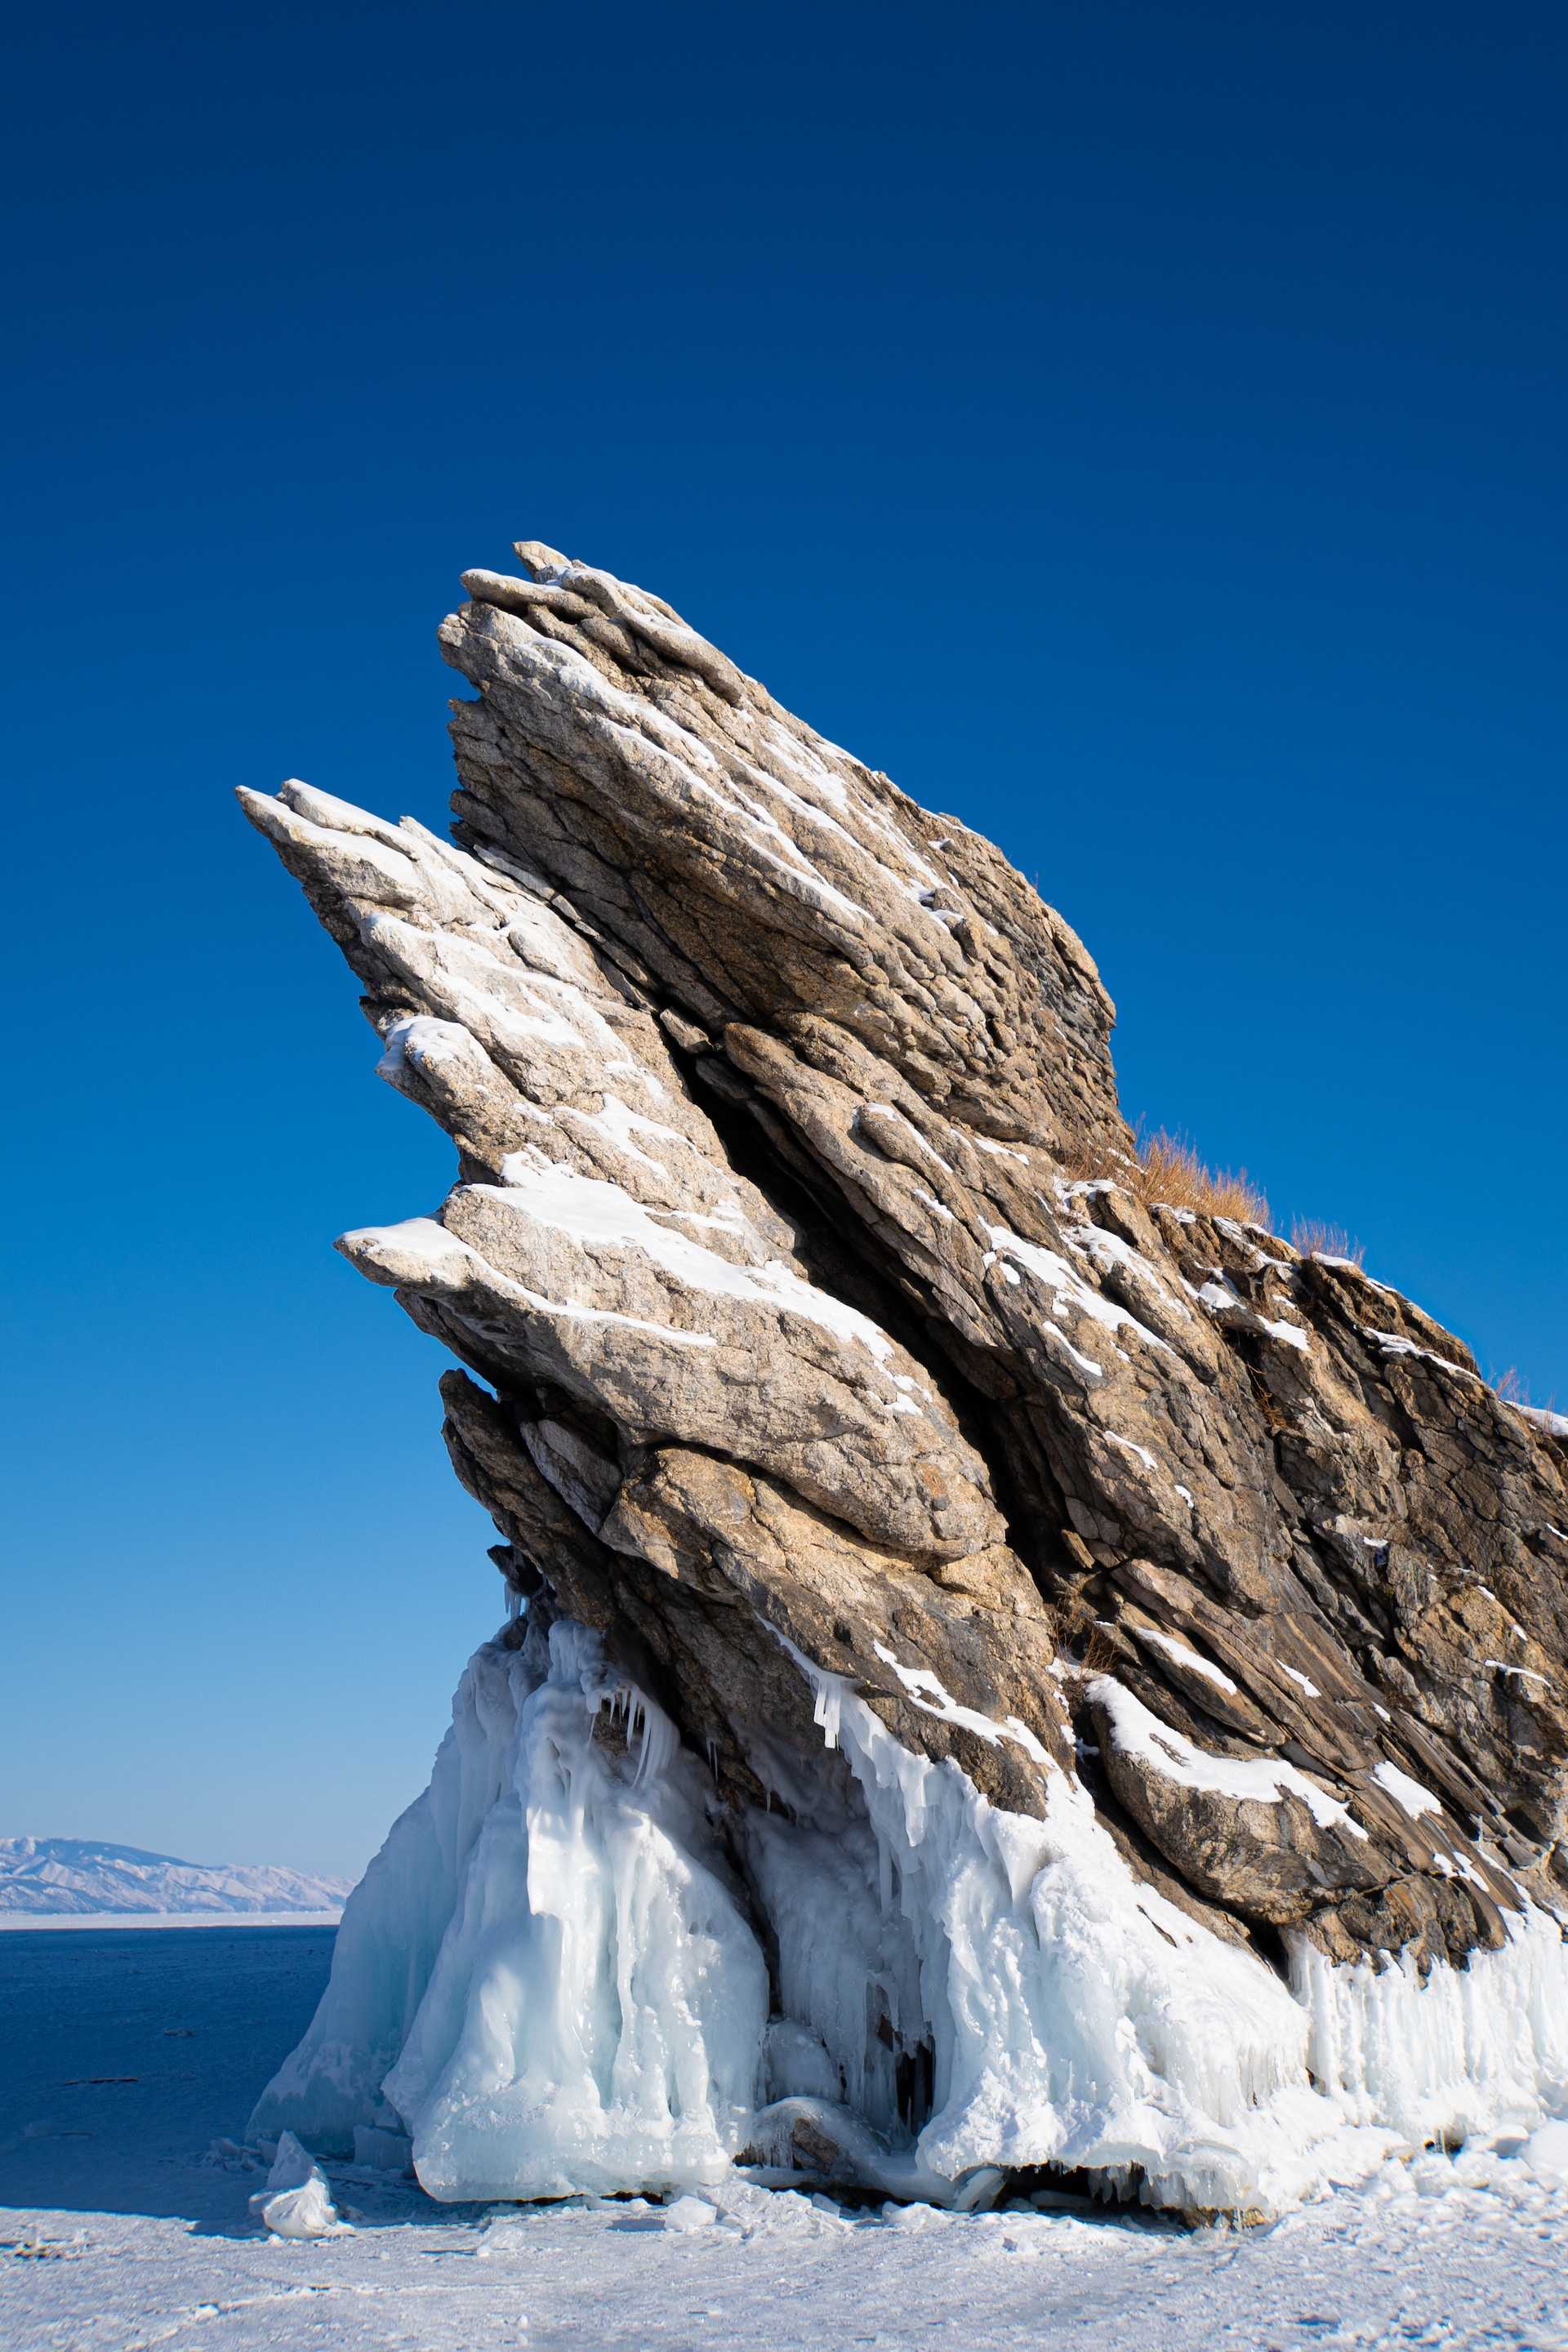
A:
[1003,1664]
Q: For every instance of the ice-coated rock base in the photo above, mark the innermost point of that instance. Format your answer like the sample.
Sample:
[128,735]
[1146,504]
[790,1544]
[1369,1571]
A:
[551,1980]
[1006,1676]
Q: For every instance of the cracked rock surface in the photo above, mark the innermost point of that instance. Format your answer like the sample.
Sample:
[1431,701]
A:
[806,1311]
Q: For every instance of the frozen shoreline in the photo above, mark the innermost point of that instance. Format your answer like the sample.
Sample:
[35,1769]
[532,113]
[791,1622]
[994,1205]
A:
[124,2083]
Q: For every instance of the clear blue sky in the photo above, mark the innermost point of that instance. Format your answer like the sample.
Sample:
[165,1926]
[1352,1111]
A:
[1139,428]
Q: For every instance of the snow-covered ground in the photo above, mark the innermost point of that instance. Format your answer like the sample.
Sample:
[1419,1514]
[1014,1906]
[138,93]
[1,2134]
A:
[125,2056]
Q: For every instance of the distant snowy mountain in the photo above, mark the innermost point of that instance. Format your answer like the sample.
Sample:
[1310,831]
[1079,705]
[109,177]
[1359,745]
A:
[67,1877]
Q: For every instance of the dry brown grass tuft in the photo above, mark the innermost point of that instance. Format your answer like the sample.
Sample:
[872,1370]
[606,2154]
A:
[1313,1239]
[1514,1389]
[1170,1172]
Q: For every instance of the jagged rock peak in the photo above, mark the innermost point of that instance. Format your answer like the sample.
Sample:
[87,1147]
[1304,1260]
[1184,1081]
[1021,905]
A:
[987,1544]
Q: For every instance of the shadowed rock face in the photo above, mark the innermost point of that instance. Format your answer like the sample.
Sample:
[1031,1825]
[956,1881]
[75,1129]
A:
[790,1246]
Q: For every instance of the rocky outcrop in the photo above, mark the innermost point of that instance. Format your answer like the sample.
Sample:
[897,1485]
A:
[820,1353]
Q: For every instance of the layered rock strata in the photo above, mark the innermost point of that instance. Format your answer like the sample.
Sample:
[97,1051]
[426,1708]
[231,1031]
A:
[1136,1648]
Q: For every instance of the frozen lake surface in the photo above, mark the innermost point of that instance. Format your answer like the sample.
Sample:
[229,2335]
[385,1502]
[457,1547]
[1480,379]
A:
[124,2054]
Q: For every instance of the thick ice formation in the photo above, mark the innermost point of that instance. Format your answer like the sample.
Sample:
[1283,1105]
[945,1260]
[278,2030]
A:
[1076,2017]
[546,1975]
[297,2201]
[1444,2058]
[555,1978]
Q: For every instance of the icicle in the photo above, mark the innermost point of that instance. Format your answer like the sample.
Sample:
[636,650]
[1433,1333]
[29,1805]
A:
[657,1741]
[828,1706]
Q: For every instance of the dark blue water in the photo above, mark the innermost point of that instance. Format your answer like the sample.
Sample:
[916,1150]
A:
[124,2052]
